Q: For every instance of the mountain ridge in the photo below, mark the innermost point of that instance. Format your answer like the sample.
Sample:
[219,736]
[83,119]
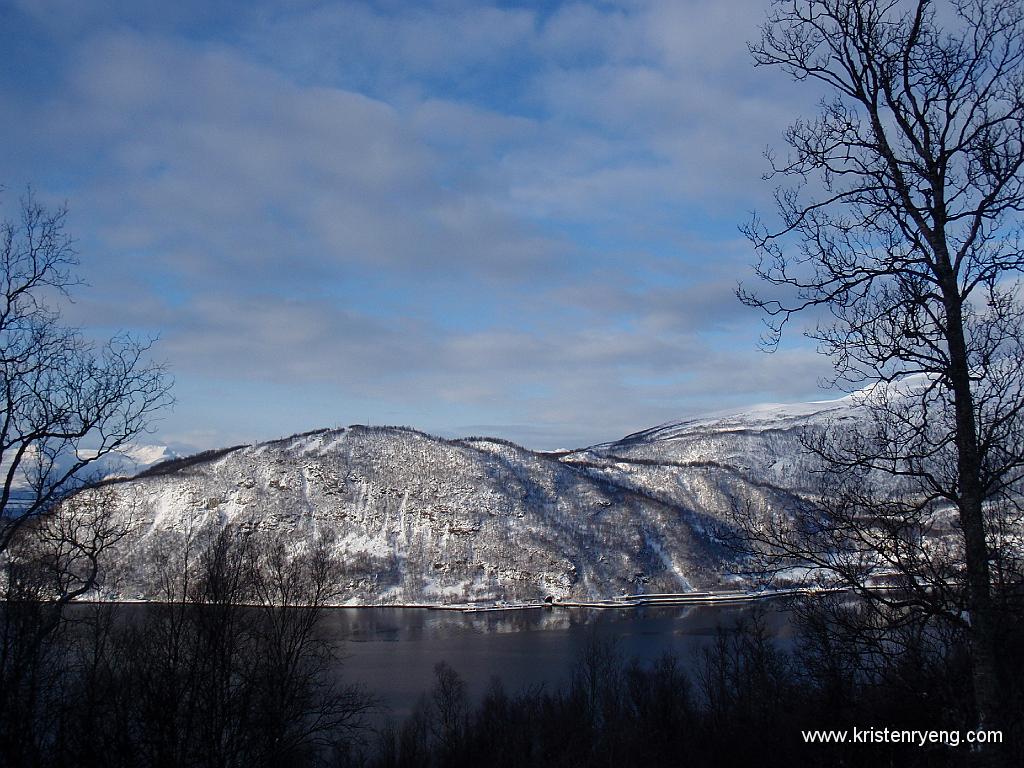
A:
[415,518]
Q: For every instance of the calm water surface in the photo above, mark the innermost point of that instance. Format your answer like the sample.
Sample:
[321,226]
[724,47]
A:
[392,651]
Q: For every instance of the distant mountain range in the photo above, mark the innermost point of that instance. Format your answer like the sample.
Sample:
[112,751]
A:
[131,460]
[125,463]
[420,519]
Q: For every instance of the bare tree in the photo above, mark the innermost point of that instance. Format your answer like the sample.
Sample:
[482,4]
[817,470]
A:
[65,401]
[302,705]
[901,233]
[233,666]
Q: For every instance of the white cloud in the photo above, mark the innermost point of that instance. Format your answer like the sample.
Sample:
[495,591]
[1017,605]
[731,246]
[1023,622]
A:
[464,211]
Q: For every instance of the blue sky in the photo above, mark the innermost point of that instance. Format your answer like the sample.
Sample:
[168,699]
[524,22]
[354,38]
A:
[516,219]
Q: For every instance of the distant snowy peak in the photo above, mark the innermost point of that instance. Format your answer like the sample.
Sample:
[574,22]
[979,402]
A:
[778,416]
[145,456]
[758,418]
[129,460]
[761,444]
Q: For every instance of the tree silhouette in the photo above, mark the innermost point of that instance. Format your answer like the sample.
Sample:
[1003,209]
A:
[900,233]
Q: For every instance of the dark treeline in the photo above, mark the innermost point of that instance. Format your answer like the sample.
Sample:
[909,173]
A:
[233,670]
[230,670]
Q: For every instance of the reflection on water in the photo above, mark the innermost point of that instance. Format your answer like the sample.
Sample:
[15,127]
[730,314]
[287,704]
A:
[392,651]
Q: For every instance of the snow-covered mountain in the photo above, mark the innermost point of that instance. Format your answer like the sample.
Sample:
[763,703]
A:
[129,461]
[125,463]
[421,519]
[760,444]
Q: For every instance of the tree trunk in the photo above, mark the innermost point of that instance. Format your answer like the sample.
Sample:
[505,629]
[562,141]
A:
[972,522]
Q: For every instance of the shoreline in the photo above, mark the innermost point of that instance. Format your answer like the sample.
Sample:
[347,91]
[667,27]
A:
[637,601]
[620,602]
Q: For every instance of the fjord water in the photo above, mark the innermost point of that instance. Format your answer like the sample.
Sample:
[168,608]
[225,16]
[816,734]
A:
[393,651]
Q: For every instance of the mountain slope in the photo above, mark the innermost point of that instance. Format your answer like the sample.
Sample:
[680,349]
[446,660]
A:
[762,444]
[420,519]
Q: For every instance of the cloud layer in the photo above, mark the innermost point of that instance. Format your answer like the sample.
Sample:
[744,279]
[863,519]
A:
[461,216]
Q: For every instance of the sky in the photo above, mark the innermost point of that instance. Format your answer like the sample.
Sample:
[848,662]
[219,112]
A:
[510,219]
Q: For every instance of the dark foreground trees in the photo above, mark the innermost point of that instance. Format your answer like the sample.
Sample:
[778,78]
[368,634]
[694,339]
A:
[741,701]
[65,403]
[900,236]
[210,683]
[232,669]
